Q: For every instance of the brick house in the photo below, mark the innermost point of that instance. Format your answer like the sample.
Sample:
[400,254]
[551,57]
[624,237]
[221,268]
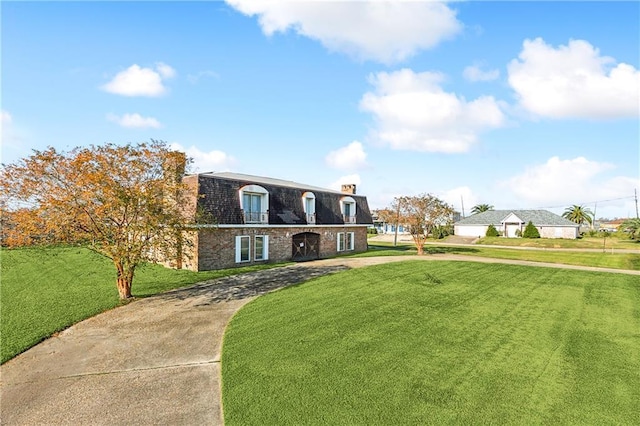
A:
[252,219]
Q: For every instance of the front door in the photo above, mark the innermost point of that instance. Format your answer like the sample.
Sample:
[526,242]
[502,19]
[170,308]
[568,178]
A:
[305,246]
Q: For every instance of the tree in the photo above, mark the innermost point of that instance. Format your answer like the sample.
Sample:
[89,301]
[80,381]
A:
[127,202]
[632,226]
[578,214]
[479,208]
[421,215]
[492,231]
[530,231]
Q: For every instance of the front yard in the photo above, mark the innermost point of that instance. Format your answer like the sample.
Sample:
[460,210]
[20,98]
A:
[438,343]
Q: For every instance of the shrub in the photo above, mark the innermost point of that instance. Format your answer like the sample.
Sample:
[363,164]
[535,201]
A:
[492,231]
[518,233]
[531,231]
[372,231]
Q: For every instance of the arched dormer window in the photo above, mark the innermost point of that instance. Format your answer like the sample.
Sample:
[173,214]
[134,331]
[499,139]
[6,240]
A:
[254,202]
[309,206]
[348,209]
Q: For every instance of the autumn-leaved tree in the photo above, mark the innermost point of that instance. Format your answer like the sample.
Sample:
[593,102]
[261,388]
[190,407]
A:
[124,201]
[421,214]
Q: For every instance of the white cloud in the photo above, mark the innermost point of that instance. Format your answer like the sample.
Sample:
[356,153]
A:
[343,180]
[138,81]
[573,81]
[386,31]
[5,117]
[209,161]
[456,196]
[10,135]
[195,78]
[566,182]
[134,121]
[414,113]
[350,157]
[165,70]
[475,73]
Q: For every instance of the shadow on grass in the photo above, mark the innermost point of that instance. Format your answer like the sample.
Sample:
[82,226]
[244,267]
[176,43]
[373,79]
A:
[449,250]
[248,285]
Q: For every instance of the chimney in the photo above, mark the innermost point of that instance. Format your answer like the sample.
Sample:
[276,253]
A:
[349,188]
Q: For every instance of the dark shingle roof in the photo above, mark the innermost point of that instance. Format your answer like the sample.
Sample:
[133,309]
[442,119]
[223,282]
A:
[219,198]
[538,217]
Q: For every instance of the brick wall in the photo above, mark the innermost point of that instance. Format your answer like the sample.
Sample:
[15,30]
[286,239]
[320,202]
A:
[215,248]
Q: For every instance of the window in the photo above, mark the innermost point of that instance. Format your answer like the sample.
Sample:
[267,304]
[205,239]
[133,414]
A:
[349,237]
[254,202]
[346,241]
[243,248]
[348,209]
[309,206]
[261,247]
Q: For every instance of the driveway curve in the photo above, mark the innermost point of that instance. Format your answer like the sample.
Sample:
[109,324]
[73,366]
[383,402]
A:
[155,360]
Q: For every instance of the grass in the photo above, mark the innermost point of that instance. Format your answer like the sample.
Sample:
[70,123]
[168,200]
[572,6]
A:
[598,259]
[438,343]
[47,290]
[610,242]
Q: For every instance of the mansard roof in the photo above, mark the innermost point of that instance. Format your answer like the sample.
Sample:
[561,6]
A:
[219,197]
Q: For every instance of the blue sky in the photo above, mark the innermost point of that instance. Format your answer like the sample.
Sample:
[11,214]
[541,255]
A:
[514,104]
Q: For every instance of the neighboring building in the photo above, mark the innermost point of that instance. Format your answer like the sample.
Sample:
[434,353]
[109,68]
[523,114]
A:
[383,227]
[257,219]
[508,222]
[610,226]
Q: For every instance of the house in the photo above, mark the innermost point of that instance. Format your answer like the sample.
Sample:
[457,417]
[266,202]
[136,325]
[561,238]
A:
[247,220]
[383,227]
[510,223]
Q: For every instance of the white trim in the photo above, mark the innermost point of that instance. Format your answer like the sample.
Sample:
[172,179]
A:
[239,248]
[265,248]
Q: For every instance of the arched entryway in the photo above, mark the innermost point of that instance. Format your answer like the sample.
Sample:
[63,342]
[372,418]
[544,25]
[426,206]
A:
[305,246]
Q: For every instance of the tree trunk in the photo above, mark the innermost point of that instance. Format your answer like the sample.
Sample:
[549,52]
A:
[124,280]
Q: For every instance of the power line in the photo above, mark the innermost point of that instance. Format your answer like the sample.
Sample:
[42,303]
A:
[589,202]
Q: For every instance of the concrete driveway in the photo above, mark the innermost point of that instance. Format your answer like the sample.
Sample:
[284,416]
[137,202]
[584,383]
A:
[156,360]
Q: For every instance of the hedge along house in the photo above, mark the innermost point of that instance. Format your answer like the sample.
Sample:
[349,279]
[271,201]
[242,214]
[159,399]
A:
[255,219]
[510,223]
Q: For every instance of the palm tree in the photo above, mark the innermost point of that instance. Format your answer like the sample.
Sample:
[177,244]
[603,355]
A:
[578,214]
[479,208]
[632,226]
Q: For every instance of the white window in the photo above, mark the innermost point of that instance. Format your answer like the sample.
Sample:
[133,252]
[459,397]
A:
[243,248]
[345,241]
[348,209]
[254,202]
[309,206]
[261,247]
[349,237]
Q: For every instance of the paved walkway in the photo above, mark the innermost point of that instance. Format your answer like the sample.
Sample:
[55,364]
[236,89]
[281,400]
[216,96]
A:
[156,360]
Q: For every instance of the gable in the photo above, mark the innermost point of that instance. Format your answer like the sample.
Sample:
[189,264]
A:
[512,218]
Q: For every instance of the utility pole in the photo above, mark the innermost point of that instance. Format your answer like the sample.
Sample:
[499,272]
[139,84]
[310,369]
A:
[635,193]
[462,202]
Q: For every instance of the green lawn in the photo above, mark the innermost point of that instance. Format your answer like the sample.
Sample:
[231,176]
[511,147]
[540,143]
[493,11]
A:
[604,260]
[436,343]
[610,242]
[46,290]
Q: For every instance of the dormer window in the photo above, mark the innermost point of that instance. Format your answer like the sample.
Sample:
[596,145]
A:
[348,209]
[309,206]
[254,202]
